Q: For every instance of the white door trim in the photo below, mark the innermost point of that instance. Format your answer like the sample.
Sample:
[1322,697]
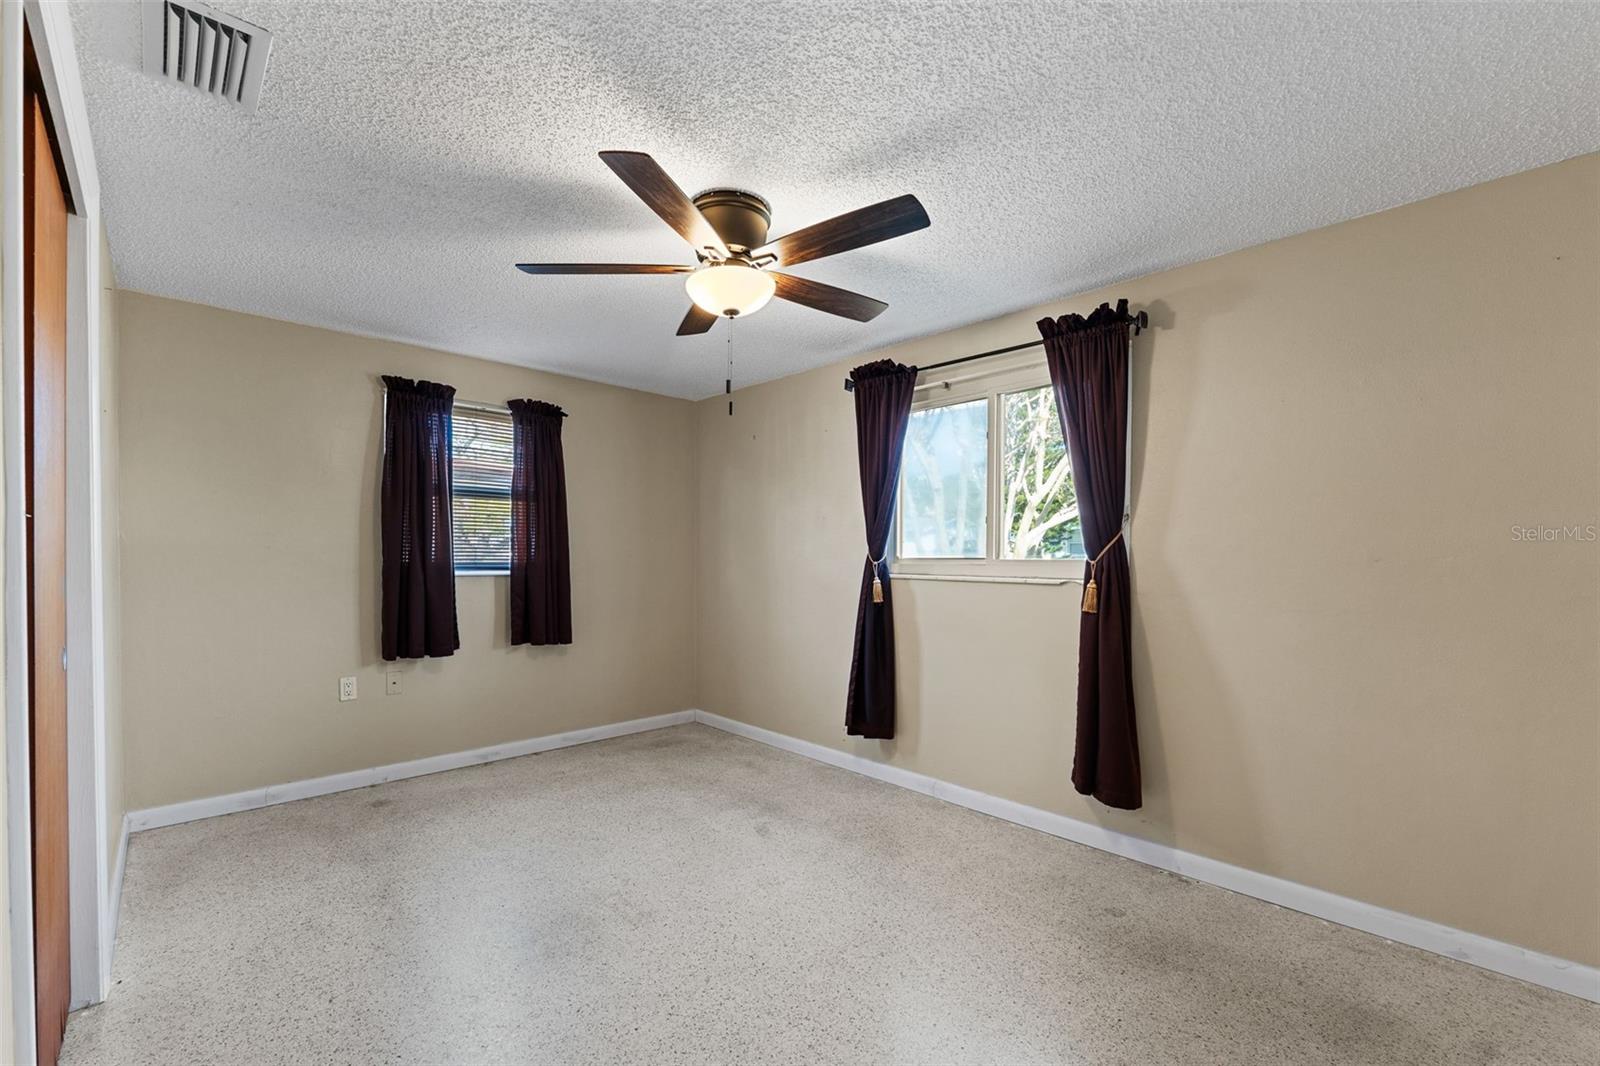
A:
[49,26]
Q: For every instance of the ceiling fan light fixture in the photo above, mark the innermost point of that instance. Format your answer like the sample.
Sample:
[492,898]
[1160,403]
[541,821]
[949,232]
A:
[730,289]
[727,228]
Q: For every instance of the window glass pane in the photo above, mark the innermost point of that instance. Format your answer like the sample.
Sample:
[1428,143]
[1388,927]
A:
[481,532]
[480,508]
[1039,509]
[944,483]
[480,444]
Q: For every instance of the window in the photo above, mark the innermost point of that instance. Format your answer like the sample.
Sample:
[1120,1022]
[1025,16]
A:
[944,482]
[1038,506]
[985,484]
[480,502]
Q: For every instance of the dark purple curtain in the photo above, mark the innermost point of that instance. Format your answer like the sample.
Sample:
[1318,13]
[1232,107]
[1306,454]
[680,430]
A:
[1088,360]
[883,408]
[419,581]
[541,579]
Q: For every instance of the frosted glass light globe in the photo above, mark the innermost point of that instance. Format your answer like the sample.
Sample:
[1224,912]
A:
[730,289]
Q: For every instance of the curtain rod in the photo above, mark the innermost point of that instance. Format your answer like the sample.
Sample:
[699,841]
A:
[1141,321]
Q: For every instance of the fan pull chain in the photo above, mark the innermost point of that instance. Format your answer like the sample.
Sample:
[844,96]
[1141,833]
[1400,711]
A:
[727,382]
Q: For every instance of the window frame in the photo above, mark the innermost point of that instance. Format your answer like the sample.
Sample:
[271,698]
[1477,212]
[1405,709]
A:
[1003,375]
[456,568]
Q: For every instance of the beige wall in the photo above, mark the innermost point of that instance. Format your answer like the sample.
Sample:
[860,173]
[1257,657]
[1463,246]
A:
[1348,672]
[250,452]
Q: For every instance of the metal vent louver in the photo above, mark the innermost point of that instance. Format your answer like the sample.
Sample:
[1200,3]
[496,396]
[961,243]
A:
[194,45]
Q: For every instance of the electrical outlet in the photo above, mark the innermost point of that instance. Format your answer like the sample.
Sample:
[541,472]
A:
[347,689]
[391,683]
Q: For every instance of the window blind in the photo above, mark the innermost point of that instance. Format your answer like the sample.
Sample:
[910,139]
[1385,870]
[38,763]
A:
[480,454]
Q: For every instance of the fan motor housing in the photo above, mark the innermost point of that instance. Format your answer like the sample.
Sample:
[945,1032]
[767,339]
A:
[740,217]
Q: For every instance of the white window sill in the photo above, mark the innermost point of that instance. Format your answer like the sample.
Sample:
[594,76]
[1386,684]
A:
[483,573]
[986,579]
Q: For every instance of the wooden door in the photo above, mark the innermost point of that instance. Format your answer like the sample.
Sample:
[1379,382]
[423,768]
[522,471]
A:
[45,388]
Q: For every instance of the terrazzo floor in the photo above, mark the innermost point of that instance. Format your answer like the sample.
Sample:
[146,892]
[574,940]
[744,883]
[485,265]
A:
[690,896]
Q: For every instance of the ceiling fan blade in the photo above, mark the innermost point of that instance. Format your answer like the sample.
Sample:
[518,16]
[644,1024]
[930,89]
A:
[652,185]
[835,301]
[604,268]
[696,321]
[853,229]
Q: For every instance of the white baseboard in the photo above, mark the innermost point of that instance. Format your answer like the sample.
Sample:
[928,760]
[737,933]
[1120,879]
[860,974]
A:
[1560,974]
[1547,970]
[193,810]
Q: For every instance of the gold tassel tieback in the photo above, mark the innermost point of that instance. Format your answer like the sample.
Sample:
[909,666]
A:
[877,582]
[1091,598]
[1091,591]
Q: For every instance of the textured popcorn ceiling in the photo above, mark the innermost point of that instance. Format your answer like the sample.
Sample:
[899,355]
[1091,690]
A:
[405,155]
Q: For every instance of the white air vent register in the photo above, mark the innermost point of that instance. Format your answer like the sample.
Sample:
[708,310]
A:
[218,54]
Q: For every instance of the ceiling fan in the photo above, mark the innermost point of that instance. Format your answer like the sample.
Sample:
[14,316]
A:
[728,230]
